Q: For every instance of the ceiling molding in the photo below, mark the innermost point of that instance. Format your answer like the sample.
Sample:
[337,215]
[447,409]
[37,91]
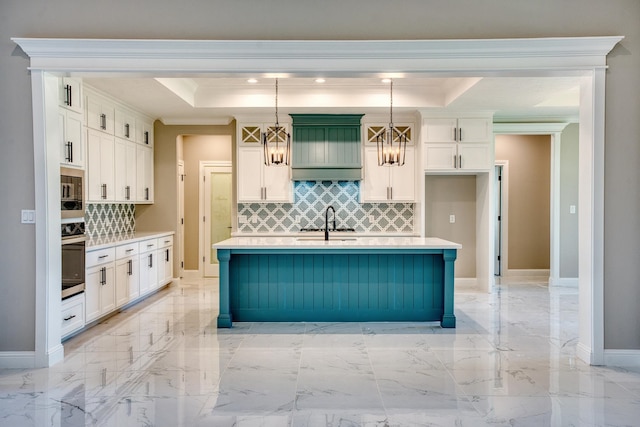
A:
[213,121]
[528,128]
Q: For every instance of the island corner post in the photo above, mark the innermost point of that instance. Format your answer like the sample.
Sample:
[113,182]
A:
[276,284]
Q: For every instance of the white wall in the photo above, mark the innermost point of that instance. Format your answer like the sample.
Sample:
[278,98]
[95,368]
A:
[329,19]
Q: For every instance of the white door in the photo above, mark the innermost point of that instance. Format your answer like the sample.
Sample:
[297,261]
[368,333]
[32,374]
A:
[217,198]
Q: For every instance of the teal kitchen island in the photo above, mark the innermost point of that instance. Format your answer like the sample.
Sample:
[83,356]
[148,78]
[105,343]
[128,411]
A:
[287,279]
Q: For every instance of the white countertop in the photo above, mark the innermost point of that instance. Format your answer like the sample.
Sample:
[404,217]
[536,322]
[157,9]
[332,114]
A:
[100,242]
[337,240]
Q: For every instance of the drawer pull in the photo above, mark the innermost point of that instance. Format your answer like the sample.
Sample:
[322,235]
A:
[103,256]
[129,250]
[66,319]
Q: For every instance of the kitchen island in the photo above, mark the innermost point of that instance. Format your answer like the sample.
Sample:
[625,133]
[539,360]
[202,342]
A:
[284,279]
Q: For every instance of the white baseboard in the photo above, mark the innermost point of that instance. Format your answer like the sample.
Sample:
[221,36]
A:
[622,358]
[526,273]
[191,274]
[566,282]
[584,353]
[17,359]
[466,283]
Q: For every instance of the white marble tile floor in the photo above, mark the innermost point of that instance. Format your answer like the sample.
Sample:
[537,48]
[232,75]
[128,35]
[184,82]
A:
[510,362]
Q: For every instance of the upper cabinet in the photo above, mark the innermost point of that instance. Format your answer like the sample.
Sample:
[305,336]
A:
[457,144]
[120,151]
[256,181]
[70,94]
[72,141]
[388,183]
[100,114]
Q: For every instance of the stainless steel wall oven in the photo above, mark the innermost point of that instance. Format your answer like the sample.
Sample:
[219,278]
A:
[73,252]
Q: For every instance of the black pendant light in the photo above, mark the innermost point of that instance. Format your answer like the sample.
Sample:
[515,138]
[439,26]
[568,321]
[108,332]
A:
[392,144]
[276,142]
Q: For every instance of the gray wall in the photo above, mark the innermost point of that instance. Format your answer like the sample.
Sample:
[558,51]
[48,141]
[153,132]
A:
[329,19]
[568,197]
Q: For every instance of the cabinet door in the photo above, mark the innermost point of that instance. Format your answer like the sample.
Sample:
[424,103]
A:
[100,114]
[440,130]
[376,178]
[474,130]
[474,157]
[249,174]
[134,278]
[277,183]
[148,272]
[108,290]
[125,171]
[124,124]
[93,283]
[165,261]
[70,94]
[144,173]
[440,156]
[71,138]
[403,179]
[144,132]
[126,280]
[100,167]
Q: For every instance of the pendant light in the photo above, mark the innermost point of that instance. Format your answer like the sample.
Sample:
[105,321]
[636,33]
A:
[276,142]
[392,144]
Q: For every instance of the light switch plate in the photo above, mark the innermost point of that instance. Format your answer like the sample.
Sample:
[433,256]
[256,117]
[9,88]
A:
[572,209]
[28,216]
[452,219]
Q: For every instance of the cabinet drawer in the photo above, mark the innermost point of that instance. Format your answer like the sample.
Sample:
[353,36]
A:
[165,242]
[72,317]
[148,245]
[101,256]
[127,250]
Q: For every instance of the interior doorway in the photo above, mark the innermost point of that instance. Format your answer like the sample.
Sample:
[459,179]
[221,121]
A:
[216,207]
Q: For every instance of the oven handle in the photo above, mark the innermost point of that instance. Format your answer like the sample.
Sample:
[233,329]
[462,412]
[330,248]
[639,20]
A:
[74,239]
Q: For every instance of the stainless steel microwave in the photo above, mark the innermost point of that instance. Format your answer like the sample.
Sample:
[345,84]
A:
[71,193]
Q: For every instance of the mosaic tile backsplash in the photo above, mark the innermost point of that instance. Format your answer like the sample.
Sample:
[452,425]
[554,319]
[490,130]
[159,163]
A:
[311,198]
[108,219]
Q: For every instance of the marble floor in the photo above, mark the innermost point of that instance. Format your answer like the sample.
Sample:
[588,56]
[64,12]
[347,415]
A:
[510,362]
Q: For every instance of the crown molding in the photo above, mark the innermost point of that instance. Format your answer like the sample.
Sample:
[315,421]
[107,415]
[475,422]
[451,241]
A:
[302,57]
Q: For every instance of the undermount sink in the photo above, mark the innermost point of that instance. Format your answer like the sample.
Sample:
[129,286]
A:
[321,238]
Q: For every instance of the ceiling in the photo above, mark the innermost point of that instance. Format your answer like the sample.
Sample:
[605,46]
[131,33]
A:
[216,100]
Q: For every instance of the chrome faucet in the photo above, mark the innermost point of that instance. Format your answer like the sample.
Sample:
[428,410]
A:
[326,221]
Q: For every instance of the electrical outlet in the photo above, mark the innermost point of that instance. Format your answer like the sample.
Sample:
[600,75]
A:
[572,209]
[254,219]
[242,219]
[296,219]
[372,219]
[452,219]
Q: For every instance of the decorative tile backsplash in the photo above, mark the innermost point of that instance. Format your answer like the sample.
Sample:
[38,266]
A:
[107,219]
[311,198]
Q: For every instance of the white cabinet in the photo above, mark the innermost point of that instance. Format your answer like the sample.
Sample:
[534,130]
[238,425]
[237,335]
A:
[124,124]
[100,167]
[71,137]
[70,94]
[457,144]
[256,181]
[100,295]
[388,183]
[144,174]
[72,315]
[165,260]
[148,259]
[100,114]
[127,274]
[144,131]
[125,166]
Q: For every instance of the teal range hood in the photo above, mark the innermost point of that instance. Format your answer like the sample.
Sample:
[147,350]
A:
[326,147]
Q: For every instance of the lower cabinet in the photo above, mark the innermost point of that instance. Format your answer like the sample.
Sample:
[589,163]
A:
[72,315]
[100,284]
[117,275]
[148,266]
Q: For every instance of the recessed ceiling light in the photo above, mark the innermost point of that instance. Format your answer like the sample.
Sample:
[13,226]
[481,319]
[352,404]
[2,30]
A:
[320,80]
[252,81]
[386,80]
